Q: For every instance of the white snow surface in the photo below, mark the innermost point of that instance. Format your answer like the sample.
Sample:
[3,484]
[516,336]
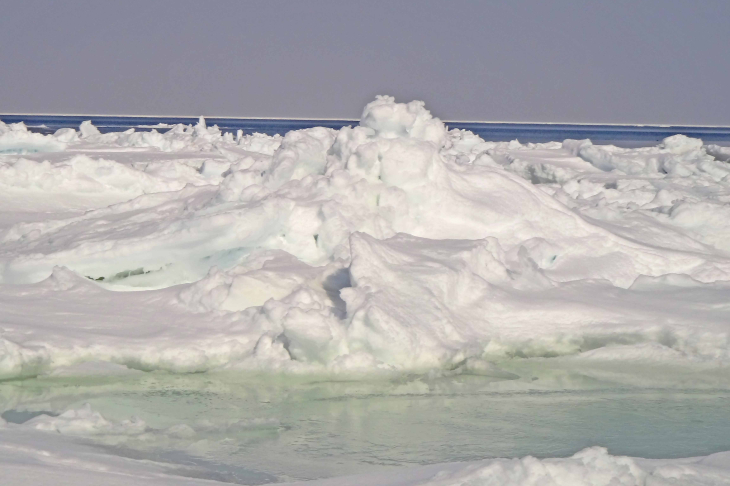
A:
[393,245]
[389,247]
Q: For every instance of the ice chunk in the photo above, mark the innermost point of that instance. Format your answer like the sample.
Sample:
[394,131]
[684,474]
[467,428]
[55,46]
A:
[17,139]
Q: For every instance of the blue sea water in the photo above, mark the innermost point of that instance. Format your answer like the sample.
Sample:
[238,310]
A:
[494,131]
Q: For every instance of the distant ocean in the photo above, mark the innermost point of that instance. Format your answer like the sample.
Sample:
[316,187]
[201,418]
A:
[494,131]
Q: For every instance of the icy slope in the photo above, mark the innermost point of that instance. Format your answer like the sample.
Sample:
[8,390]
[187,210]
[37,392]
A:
[393,245]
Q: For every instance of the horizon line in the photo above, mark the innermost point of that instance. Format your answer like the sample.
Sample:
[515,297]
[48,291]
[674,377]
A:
[648,125]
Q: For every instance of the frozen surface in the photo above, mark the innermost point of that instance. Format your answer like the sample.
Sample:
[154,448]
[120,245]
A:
[33,458]
[392,248]
[255,429]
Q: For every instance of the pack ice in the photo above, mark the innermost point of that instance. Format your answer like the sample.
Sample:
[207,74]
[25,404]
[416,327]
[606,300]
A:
[396,245]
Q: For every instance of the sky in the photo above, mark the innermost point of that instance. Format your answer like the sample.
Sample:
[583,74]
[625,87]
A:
[613,61]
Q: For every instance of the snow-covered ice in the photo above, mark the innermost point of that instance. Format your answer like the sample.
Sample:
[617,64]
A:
[396,246]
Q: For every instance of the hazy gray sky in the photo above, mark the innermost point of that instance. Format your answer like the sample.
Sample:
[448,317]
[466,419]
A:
[641,61]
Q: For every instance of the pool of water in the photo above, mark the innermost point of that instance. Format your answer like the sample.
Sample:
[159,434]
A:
[260,429]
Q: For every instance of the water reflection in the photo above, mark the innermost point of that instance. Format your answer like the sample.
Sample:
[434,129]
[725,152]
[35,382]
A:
[258,428]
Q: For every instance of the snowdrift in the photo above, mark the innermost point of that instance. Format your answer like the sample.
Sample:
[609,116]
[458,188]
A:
[396,245]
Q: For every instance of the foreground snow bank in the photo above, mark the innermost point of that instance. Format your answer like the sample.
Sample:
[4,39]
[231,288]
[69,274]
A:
[393,245]
[593,466]
[41,458]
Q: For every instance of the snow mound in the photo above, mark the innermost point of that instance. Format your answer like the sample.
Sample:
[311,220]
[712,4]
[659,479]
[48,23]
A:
[82,174]
[393,245]
[589,467]
[17,139]
[85,421]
